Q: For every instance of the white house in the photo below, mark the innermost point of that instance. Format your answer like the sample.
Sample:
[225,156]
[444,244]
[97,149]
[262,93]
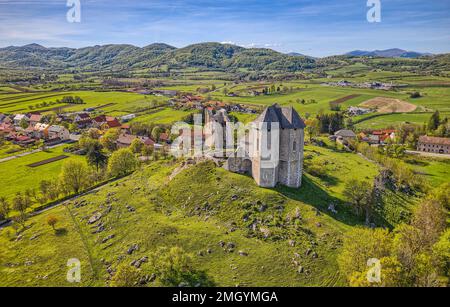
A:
[18,118]
[128,117]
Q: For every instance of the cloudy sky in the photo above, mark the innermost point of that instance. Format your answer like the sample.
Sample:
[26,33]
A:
[313,27]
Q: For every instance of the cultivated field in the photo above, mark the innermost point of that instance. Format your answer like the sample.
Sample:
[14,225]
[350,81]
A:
[388,105]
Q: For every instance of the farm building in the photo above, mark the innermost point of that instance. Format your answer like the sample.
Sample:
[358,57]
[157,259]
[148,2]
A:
[434,144]
[343,136]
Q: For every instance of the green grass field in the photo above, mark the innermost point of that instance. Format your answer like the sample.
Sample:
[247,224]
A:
[117,103]
[150,227]
[18,177]
[164,116]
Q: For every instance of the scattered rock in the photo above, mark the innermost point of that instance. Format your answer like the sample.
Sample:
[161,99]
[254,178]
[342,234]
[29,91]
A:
[108,238]
[300,269]
[291,243]
[221,243]
[94,218]
[308,252]
[132,248]
[231,245]
[130,209]
[144,259]
[262,208]
[234,197]
[314,255]
[33,237]
[242,253]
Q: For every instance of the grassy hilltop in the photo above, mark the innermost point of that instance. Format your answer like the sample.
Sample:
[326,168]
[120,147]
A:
[196,209]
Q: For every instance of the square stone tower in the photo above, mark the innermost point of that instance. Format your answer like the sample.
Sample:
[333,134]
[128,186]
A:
[288,167]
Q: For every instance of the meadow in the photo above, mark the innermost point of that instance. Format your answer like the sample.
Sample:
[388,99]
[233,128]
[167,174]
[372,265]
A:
[18,177]
[165,216]
[164,116]
[114,103]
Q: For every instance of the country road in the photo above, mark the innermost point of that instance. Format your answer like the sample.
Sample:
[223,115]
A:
[428,154]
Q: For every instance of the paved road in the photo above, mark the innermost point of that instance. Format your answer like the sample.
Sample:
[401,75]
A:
[428,154]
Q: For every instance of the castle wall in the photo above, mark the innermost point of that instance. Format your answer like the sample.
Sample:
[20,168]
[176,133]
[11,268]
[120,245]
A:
[291,157]
[238,165]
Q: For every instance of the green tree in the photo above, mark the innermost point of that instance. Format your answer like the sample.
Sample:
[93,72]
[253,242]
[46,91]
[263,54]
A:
[95,155]
[441,195]
[74,176]
[52,221]
[21,203]
[122,162]
[172,267]
[4,208]
[136,146]
[49,189]
[441,130]
[108,140]
[156,132]
[126,276]
[147,151]
[359,194]
[434,121]
[23,123]
[360,245]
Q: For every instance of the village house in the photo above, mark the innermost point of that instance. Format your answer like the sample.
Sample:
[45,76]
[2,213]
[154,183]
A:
[58,132]
[434,144]
[82,120]
[41,130]
[378,137]
[6,128]
[23,140]
[164,138]
[128,117]
[35,118]
[104,122]
[125,128]
[19,117]
[355,111]
[343,136]
[167,93]
[124,140]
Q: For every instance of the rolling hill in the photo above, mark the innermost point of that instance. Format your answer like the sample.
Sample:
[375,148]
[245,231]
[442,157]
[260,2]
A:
[209,56]
[388,53]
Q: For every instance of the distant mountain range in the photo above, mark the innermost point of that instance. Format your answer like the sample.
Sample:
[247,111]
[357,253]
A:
[204,55]
[388,53]
[162,58]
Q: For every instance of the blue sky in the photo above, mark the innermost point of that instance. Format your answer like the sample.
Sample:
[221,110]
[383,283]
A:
[313,27]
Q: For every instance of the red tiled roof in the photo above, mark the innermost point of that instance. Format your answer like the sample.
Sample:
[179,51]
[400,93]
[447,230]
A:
[113,123]
[100,119]
[164,137]
[35,117]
